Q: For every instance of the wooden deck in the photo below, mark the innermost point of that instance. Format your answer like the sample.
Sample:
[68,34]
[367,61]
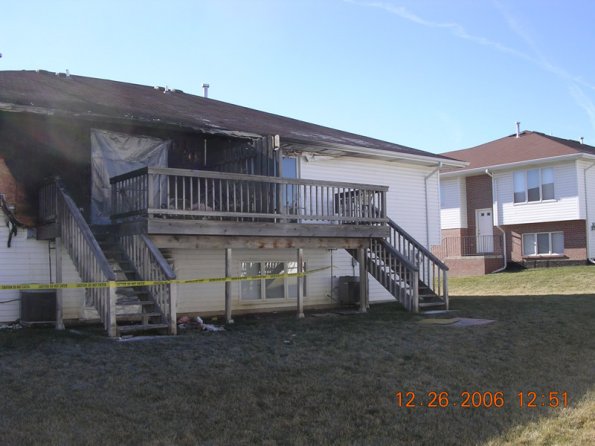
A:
[160,201]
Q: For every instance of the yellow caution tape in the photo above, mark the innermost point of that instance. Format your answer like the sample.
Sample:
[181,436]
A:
[135,283]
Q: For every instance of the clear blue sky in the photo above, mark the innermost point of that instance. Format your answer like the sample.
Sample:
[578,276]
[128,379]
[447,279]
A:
[436,75]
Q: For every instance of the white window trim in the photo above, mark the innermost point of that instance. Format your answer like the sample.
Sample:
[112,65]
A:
[541,200]
[263,298]
[535,255]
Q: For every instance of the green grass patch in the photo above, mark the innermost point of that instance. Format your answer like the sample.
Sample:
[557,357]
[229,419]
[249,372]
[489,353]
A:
[538,281]
[322,380]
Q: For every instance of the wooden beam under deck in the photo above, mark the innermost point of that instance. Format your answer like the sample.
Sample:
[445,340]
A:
[158,226]
[243,242]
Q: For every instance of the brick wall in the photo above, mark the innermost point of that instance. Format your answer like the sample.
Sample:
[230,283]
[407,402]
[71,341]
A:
[473,266]
[479,196]
[575,243]
[14,194]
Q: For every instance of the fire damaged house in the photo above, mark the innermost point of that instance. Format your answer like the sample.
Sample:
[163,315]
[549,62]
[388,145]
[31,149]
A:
[105,181]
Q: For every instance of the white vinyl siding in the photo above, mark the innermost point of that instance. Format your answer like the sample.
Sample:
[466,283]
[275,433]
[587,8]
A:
[406,194]
[27,261]
[563,206]
[210,297]
[543,243]
[453,207]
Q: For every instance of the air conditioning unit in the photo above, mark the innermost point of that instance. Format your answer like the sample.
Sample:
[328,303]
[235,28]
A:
[348,290]
[38,307]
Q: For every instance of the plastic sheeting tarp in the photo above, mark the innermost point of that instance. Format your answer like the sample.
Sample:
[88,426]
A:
[113,154]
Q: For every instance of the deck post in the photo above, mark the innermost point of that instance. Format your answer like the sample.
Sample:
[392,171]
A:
[300,283]
[445,289]
[59,292]
[173,302]
[363,282]
[111,323]
[228,319]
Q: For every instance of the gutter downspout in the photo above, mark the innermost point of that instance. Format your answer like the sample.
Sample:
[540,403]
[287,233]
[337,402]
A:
[591,260]
[431,174]
[494,195]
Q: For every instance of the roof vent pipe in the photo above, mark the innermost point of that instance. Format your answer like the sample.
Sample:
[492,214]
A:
[205,88]
[582,140]
[518,129]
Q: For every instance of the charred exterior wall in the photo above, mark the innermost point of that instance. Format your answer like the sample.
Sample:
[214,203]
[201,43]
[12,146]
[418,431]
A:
[38,147]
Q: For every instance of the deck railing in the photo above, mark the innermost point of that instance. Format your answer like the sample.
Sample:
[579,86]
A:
[433,273]
[178,193]
[88,258]
[395,272]
[152,266]
[466,246]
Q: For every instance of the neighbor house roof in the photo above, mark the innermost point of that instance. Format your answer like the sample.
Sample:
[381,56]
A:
[45,92]
[511,150]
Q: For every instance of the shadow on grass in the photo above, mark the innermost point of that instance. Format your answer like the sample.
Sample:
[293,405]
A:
[276,380]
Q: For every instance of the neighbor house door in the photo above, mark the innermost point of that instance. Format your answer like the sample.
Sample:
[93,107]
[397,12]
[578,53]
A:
[485,230]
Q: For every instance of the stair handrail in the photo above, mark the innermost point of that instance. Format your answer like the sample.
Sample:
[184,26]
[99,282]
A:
[150,265]
[393,251]
[437,282]
[87,256]
[403,275]
[398,229]
[158,257]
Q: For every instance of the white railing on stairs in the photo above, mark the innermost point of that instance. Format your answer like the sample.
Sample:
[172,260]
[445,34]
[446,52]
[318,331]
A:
[56,206]
[395,272]
[433,273]
[152,266]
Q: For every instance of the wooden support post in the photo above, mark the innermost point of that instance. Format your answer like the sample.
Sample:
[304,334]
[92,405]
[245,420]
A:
[112,326]
[173,302]
[59,292]
[363,276]
[366,281]
[445,289]
[228,319]
[300,283]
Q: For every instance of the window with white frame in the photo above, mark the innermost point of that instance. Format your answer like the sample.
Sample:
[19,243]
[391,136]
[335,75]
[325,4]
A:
[543,243]
[264,289]
[534,185]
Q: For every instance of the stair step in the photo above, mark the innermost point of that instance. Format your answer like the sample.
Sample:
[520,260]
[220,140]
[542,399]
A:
[143,327]
[124,271]
[130,292]
[431,304]
[140,302]
[136,316]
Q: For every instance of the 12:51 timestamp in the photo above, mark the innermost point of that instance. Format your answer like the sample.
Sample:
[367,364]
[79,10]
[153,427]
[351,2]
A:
[532,399]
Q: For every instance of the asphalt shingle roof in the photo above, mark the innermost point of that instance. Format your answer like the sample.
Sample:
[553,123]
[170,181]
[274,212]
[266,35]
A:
[528,146]
[86,96]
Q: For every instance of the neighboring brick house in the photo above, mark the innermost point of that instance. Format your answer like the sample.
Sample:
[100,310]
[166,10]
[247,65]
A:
[527,198]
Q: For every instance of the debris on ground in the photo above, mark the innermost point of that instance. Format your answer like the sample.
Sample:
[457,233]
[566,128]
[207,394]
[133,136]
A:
[11,326]
[133,338]
[456,321]
[290,340]
[185,323]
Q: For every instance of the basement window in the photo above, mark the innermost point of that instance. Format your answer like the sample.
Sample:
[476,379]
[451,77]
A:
[543,243]
[272,288]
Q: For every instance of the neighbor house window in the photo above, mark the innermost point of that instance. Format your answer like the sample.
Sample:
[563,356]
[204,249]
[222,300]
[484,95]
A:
[534,185]
[273,288]
[543,243]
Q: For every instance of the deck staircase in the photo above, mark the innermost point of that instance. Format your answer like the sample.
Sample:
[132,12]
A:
[136,309]
[412,274]
[103,256]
